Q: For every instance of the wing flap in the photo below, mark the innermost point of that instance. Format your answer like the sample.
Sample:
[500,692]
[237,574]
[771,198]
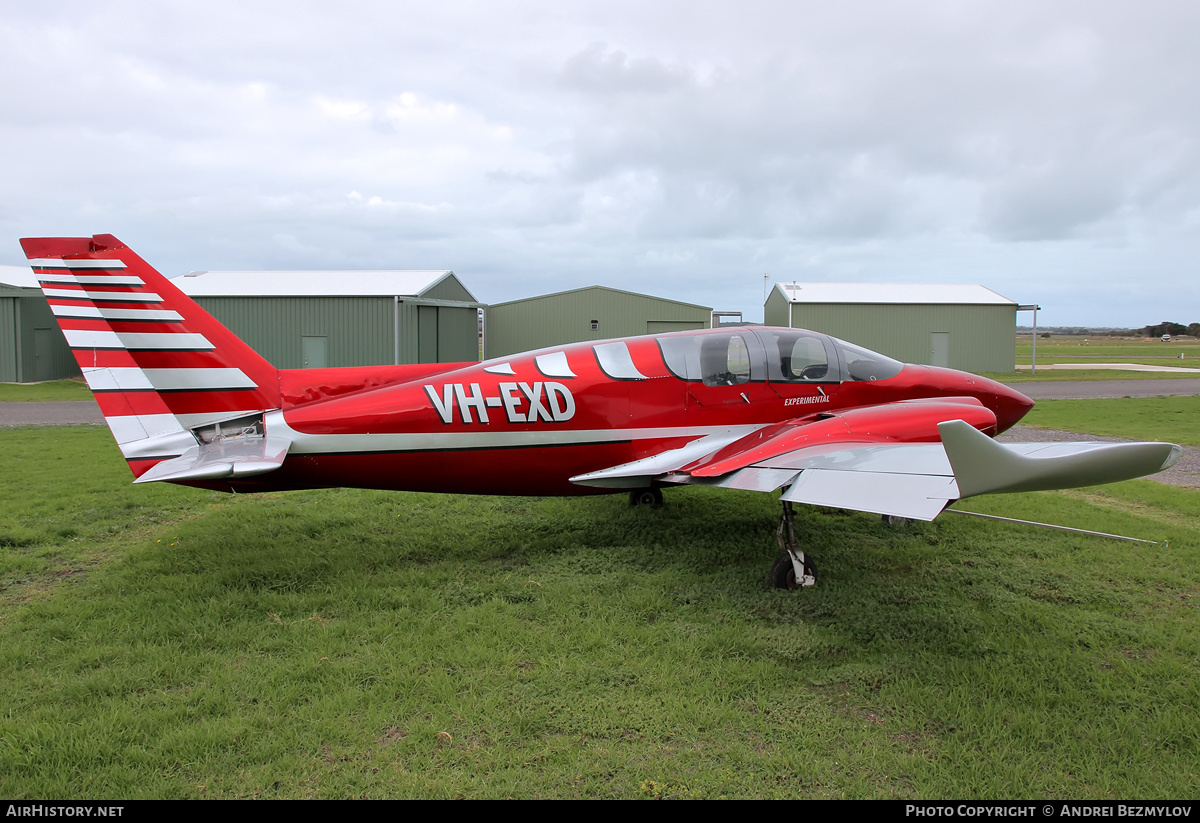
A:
[915,496]
[886,458]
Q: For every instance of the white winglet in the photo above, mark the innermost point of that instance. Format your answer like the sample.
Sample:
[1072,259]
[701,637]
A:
[983,466]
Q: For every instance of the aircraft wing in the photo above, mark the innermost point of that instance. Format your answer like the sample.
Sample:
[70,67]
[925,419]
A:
[914,480]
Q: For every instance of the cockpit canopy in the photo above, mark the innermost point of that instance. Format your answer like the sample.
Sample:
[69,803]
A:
[775,355]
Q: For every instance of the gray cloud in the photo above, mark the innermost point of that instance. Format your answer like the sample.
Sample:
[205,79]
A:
[1047,150]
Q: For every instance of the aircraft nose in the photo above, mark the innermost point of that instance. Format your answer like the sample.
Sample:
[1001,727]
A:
[1008,404]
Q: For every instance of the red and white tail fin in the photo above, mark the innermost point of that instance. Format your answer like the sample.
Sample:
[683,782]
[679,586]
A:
[163,370]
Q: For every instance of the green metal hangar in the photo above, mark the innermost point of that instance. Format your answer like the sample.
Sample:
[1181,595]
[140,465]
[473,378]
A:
[32,349]
[318,319]
[964,327]
[591,313]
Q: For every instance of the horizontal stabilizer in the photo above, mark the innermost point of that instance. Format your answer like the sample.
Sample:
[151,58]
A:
[232,458]
[983,466]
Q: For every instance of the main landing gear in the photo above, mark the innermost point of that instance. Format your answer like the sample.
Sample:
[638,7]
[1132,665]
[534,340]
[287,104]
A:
[651,497]
[793,570]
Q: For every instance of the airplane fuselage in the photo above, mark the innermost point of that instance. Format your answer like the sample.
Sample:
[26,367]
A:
[529,423]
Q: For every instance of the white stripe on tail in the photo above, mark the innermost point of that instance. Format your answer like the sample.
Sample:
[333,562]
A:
[165,373]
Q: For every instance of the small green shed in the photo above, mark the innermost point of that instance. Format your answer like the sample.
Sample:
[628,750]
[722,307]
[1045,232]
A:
[591,313]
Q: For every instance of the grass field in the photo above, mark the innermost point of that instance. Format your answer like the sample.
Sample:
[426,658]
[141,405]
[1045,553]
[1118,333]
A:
[1093,350]
[1084,375]
[167,642]
[36,392]
[1170,419]
[1079,349]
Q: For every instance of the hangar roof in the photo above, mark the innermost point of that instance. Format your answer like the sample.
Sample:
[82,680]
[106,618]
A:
[410,283]
[600,288]
[893,293]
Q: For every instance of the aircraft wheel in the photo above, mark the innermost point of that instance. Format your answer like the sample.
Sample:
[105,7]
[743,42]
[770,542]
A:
[783,573]
[895,521]
[646,497]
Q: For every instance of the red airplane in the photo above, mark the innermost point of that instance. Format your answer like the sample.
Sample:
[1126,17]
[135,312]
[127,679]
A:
[759,408]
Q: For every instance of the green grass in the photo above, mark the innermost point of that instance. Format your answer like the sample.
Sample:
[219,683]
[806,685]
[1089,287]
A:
[1169,419]
[34,392]
[1074,349]
[1102,350]
[167,642]
[1085,375]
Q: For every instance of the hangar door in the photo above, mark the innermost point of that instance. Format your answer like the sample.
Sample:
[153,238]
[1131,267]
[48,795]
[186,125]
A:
[939,348]
[447,334]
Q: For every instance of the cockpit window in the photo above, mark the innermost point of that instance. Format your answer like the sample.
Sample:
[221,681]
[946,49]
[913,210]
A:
[864,364]
[724,360]
[778,355]
[799,357]
[713,359]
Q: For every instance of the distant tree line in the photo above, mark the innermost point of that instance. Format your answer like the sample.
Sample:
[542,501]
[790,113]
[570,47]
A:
[1172,329]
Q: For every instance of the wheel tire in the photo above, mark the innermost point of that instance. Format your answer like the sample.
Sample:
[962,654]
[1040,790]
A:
[646,497]
[895,521]
[783,573]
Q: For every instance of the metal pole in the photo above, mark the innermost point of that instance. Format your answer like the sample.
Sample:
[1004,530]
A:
[1033,307]
[1033,365]
[482,334]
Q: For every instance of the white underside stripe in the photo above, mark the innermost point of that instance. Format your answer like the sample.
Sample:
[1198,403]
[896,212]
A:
[158,435]
[93,279]
[104,296]
[303,443]
[134,379]
[160,315]
[56,263]
[84,339]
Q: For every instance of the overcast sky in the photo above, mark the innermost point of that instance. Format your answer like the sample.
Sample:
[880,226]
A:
[1047,150]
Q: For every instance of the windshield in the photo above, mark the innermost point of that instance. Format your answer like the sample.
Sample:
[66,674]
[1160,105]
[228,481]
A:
[864,364]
